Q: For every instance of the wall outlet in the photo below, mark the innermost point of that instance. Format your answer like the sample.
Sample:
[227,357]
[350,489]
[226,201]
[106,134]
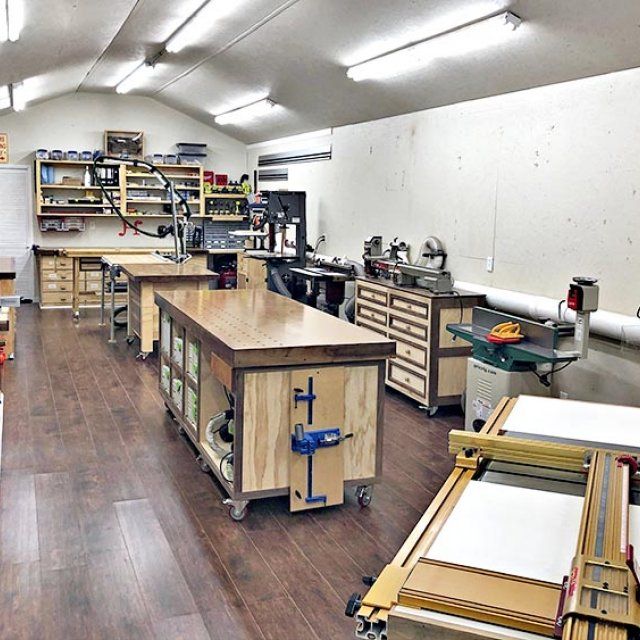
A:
[490,264]
[563,395]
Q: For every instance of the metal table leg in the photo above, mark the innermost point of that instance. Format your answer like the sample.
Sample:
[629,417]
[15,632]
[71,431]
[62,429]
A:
[102,296]
[112,329]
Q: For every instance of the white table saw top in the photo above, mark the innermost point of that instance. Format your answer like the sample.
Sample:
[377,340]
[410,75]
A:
[573,420]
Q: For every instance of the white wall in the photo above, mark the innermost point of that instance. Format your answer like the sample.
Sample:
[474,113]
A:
[546,180]
[78,122]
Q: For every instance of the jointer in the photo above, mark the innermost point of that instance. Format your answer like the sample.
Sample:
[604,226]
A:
[531,536]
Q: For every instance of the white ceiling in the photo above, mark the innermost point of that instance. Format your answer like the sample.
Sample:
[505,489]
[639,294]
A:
[297,51]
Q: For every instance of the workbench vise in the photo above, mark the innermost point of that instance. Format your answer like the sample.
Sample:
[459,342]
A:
[307,443]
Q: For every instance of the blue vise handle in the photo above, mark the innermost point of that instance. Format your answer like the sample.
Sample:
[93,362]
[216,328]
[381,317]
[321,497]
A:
[307,443]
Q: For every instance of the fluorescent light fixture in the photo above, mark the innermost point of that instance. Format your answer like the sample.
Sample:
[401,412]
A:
[199,23]
[309,135]
[472,37]
[243,114]
[136,77]
[15,18]
[18,97]
[5,98]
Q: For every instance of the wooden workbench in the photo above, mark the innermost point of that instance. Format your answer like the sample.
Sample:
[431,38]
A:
[275,363]
[8,288]
[144,280]
[70,276]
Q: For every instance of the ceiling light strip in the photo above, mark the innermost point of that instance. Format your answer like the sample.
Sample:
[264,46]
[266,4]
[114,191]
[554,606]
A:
[472,37]
[248,112]
[136,77]
[192,27]
[18,97]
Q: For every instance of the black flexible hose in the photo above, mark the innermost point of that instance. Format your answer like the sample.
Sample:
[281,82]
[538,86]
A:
[99,163]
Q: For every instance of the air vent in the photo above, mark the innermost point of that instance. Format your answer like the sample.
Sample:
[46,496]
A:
[293,157]
[273,175]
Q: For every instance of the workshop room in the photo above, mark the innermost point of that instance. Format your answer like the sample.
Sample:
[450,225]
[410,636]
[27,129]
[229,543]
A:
[319,319]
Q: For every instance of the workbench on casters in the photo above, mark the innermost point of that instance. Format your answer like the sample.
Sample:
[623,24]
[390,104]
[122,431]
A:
[530,537]
[144,279]
[300,392]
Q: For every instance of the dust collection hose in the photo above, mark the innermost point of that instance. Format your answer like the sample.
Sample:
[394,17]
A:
[279,284]
[108,162]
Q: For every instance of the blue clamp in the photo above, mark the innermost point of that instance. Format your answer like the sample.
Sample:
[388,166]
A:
[306,444]
[311,441]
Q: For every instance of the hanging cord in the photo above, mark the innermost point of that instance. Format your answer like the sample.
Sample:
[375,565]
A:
[163,231]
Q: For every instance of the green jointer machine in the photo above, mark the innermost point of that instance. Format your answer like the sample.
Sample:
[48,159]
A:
[521,366]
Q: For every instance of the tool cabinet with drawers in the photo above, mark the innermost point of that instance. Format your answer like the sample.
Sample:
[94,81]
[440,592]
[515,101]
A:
[56,281]
[430,366]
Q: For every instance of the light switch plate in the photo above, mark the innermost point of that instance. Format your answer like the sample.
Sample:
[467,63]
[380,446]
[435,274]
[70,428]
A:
[490,264]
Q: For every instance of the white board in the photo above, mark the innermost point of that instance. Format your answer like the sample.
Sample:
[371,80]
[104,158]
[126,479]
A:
[522,532]
[573,420]
[16,229]
[518,531]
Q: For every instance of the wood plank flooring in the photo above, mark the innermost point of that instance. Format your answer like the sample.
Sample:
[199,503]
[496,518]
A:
[109,530]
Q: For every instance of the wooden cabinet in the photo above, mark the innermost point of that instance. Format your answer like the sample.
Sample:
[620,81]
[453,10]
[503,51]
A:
[56,281]
[252,273]
[429,365]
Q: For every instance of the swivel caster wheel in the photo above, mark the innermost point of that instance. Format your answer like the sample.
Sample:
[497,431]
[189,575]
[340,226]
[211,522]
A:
[143,355]
[181,431]
[364,496]
[76,316]
[202,463]
[236,514]
[130,340]
[430,411]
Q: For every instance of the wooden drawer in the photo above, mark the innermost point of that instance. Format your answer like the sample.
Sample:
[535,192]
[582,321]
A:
[57,276]
[57,299]
[408,305]
[407,379]
[92,275]
[47,263]
[411,353]
[372,295]
[88,298]
[51,287]
[421,332]
[371,314]
[371,326]
[90,285]
[64,263]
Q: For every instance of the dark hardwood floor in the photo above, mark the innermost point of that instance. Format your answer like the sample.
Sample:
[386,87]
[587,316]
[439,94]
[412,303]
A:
[108,529]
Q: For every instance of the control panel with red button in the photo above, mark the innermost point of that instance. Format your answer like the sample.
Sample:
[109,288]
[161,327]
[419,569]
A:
[583,295]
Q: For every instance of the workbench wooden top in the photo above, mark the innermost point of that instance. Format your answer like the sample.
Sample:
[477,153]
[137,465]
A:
[7,268]
[132,258]
[167,271]
[262,328]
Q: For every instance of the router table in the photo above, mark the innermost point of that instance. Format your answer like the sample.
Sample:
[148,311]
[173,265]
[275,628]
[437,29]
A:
[147,278]
[300,392]
[530,537]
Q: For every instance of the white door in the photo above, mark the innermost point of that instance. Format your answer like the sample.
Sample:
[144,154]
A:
[16,225]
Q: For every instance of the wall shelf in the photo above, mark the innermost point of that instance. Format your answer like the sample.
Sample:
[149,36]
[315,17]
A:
[180,173]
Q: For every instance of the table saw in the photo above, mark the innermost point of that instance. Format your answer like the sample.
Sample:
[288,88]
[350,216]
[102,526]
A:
[531,536]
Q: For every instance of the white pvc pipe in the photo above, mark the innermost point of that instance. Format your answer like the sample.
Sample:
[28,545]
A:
[604,323]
